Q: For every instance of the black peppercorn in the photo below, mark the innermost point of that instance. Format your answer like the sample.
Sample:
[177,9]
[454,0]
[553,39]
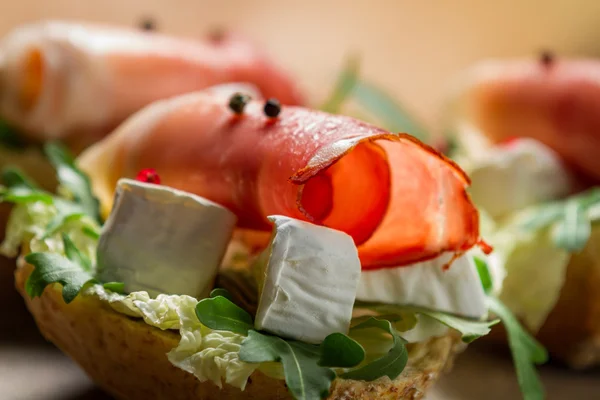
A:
[547,58]
[238,102]
[148,24]
[272,108]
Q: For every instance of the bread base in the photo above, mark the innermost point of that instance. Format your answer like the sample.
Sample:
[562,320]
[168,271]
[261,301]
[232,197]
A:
[127,357]
[571,333]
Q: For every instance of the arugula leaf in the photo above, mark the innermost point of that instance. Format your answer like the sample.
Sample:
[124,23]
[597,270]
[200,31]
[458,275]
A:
[14,177]
[220,314]
[117,287]
[20,194]
[54,268]
[382,105]
[574,230]
[373,99]
[220,292]
[10,137]
[484,274]
[20,189]
[73,179]
[341,351]
[572,218]
[304,378]
[344,86]
[469,329]
[392,364]
[73,253]
[91,232]
[526,351]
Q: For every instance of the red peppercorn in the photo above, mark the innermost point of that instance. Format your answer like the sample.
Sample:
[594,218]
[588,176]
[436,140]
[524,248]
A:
[510,141]
[148,175]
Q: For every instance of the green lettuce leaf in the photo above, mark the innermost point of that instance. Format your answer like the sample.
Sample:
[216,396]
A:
[304,378]
[392,364]
[54,268]
[526,351]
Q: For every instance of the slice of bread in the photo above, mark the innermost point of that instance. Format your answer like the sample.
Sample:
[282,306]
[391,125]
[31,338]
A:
[127,357]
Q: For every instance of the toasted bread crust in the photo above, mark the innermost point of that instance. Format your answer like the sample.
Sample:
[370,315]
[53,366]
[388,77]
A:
[572,330]
[127,357]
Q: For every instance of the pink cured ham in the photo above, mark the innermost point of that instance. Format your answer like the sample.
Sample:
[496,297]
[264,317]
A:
[556,102]
[400,200]
[77,82]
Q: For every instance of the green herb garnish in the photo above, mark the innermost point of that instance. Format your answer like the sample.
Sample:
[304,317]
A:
[306,380]
[54,268]
[20,189]
[219,313]
[470,329]
[574,229]
[10,137]
[344,86]
[526,351]
[392,364]
[117,287]
[571,219]
[393,115]
[73,179]
[373,99]
[484,274]
[341,351]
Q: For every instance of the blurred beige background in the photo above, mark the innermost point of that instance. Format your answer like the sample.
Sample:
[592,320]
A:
[412,48]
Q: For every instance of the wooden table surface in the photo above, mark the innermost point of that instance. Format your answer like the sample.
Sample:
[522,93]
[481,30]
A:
[412,48]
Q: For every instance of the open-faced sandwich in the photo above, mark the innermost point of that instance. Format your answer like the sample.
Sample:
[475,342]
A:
[528,134]
[216,248]
[76,82]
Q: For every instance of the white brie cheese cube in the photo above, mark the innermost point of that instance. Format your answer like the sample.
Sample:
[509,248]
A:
[162,240]
[510,177]
[427,284]
[307,281]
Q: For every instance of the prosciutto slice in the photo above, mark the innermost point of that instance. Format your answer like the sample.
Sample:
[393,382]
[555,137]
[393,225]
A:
[554,101]
[401,201]
[77,82]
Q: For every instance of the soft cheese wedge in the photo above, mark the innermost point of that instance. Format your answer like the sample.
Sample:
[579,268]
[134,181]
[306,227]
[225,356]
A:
[307,281]
[162,240]
[428,284]
[518,174]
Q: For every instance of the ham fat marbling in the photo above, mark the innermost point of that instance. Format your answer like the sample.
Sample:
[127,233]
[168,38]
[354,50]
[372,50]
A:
[400,200]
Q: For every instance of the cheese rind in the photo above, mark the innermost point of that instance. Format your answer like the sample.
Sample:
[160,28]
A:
[307,281]
[162,240]
[428,284]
